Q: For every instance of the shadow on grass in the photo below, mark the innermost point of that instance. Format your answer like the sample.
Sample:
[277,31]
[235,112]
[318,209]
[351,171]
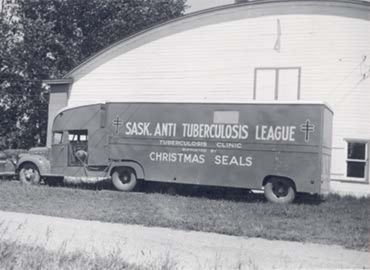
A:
[194,191]
[221,193]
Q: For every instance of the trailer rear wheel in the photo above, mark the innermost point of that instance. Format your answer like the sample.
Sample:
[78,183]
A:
[29,174]
[279,190]
[124,179]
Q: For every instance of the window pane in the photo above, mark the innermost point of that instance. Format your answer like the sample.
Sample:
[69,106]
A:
[356,169]
[72,137]
[356,150]
[83,138]
[77,135]
[58,137]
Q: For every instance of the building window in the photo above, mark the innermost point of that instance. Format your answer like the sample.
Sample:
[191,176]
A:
[357,159]
[280,83]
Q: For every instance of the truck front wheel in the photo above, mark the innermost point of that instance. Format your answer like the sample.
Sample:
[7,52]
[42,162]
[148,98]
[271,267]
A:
[124,179]
[279,190]
[29,174]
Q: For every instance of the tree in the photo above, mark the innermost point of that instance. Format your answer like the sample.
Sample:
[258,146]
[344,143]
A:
[12,98]
[50,37]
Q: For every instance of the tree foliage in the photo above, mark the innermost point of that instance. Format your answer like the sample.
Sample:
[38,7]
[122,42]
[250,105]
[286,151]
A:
[43,39]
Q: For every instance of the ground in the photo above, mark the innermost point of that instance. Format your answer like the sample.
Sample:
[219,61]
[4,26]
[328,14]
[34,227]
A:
[184,249]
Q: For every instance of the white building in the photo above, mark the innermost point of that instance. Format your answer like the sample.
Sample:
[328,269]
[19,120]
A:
[262,50]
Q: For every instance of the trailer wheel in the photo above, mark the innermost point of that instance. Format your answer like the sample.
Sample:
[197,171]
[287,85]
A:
[279,190]
[29,174]
[124,179]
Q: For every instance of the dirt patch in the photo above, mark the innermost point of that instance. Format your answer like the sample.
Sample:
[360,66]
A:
[186,249]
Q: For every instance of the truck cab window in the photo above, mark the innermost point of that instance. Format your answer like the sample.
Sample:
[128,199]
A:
[78,146]
[58,137]
[77,135]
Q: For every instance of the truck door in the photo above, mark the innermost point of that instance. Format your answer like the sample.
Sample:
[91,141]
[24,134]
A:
[77,148]
[59,149]
[69,148]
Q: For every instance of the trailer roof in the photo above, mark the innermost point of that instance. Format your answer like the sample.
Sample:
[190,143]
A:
[276,102]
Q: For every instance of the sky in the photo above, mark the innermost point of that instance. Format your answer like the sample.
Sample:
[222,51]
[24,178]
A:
[196,5]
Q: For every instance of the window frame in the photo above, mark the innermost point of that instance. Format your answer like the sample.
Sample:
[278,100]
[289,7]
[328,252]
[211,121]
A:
[277,70]
[365,160]
[61,141]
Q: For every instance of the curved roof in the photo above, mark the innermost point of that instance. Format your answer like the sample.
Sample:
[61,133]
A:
[344,8]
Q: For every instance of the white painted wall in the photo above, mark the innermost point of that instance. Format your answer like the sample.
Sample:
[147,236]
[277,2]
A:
[216,63]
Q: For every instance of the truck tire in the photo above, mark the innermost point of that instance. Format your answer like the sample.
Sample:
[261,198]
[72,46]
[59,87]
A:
[279,190]
[124,179]
[29,174]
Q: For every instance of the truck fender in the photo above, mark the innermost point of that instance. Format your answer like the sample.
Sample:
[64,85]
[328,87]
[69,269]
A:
[42,164]
[139,170]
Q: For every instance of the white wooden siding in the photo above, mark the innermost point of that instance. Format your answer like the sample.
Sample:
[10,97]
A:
[216,63]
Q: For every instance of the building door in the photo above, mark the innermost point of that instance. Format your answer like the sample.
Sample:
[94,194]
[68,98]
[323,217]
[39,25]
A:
[265,84]
[281,83]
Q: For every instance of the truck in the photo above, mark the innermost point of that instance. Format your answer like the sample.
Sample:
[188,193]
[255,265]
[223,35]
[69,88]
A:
[282,148]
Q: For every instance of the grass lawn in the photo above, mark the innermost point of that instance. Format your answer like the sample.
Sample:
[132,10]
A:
[344,221]
[19,257]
